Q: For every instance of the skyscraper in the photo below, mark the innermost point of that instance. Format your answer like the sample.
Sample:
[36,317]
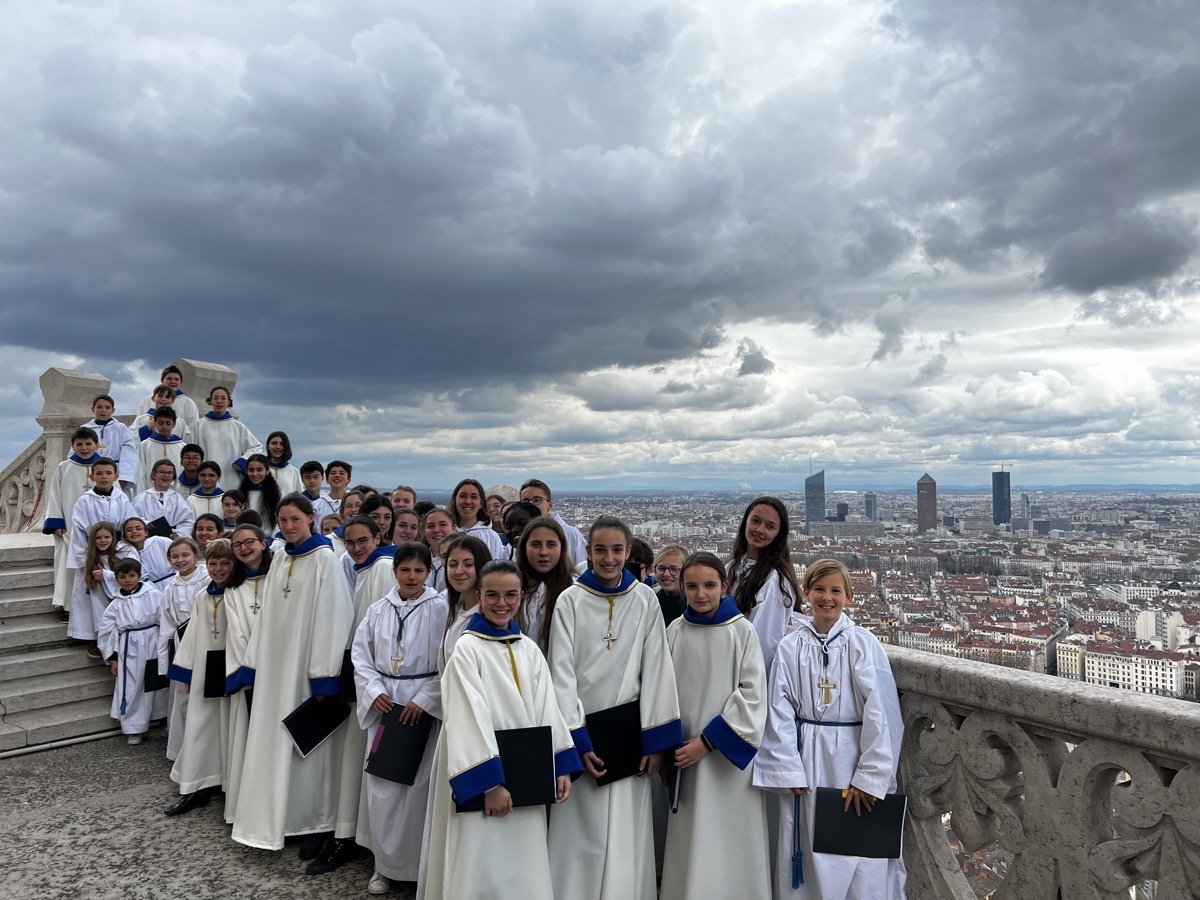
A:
[814,498]
[843,510]
[1001,498]
[869,505]
[926,503]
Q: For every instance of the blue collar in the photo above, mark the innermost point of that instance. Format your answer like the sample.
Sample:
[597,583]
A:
[309,497]
[222,417]
[84,460]
[256,573]
[173,439]
[726,610]
[178,392]
[277,465]
[100,424]
[201,492]
[340,532]
[314,542]
[214,589]
[254,487]
[482,627]
[388,551]
[182,479]
[589,580]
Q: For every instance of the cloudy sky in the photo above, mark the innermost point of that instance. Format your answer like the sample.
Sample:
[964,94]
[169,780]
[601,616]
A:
[646,243]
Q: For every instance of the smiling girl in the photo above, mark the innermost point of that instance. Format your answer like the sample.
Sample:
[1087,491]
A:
[261,489]
[761,575]
[465,556]
[225,440]
[179,596]
[438,526]
[546,571]
[470,515]
[279,456]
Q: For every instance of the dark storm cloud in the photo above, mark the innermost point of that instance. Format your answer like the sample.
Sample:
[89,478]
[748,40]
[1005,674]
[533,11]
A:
[752,360]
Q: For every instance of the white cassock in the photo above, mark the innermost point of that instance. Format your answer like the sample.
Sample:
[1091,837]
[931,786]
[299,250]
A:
[242,607]
[323,505]
[772,612]
[128,633]
[153,449]
[533,614]
[602,840]
[179,594]
[226,441]
[200,502]
[186,486]
[153,556]
[853,739]
[288,478]
[95,598]
[489,536]
[495,680]
[395,653]
[89,509]
[169,505]
[68,483]
[349,568]
[576,542]
[436,578]
[203,760]
[717,841]
[118,444]
[454,629]
[295,651]
[185,408]
[373,580]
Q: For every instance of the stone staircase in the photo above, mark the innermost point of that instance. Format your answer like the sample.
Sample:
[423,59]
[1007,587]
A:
[50,689]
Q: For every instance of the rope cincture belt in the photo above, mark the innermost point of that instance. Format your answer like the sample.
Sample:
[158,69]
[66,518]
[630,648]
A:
[797,853]
[125,660]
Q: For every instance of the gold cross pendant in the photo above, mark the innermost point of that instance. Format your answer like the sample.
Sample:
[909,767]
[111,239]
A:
[828,687]
[287,589]
[609,639]
[397,658]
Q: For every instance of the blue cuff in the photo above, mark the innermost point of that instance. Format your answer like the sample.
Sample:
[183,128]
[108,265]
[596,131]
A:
[736,750]
[567,762]
[326,687]
[476,780]
[242,678]
[53,524]
[178,673]
[583,740]
[666,736]
[240,465]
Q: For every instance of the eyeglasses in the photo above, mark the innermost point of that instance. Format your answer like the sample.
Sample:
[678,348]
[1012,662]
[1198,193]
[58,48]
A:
[249,542]
[361,542]
[668,570]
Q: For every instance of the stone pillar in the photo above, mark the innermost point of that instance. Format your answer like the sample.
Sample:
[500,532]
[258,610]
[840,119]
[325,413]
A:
[200,377]
[67,398]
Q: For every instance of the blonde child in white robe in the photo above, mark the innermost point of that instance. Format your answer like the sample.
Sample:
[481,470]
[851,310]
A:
[495,679]
[395,654]
[834,722]
[128,639]
[722,701]
[179,595]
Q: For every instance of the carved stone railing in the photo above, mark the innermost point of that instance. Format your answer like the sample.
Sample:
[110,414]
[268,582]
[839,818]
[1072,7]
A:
[67,397]
[1079,791]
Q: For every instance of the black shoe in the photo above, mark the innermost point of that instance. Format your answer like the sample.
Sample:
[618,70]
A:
[194,800]
[336,854]
[312,844]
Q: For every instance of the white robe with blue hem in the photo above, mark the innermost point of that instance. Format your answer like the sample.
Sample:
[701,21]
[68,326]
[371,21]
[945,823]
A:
[153,449]
[169,505]
[178,596]
[118,444]
[203,760]
[242,607]
[69,482]
[225,441]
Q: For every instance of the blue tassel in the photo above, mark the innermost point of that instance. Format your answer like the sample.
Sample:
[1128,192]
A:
[797,870]
[797,853]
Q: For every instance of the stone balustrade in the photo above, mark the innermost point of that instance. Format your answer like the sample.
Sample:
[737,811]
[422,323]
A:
[1086,791]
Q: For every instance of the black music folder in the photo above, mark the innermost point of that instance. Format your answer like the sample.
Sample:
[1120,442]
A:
[348,693]
[312,722]
[397,749]
[160,527]
[152,681]
[528,758]
[214,674]
[616,735]
[878,834]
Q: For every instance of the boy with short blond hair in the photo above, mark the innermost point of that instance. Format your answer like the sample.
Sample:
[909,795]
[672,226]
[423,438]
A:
[68,483]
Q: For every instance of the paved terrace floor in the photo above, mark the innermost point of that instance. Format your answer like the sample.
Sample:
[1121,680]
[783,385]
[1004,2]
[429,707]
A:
[87,821]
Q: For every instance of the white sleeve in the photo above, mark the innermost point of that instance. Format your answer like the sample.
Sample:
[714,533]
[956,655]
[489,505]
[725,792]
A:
[777,764]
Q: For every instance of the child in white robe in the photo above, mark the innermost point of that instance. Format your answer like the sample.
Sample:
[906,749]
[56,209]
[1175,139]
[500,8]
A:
[225,440]
[395,654]
[162,501]
[179,595]
[438,527]
[96,584]
[470,515]
[207,497]
[722,702]
[202,766]
[761,576]
[115,441]
[261,490]
[172,380]
[834,722]
[128,638]
[279,455]
[103,502]
[496,679]
[191,456]
[151,550]
[244,599]
[608,647]
[465,557]
[68,483]
[162,444]
[143,423]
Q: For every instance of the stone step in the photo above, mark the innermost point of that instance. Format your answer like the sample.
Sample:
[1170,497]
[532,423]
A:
[23,578]
[28,601]
[25,556]
[25,664]
[54,689]
[32,631]
[56,723]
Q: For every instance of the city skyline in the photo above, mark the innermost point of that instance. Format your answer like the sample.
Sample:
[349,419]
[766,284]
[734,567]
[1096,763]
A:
[662,244]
